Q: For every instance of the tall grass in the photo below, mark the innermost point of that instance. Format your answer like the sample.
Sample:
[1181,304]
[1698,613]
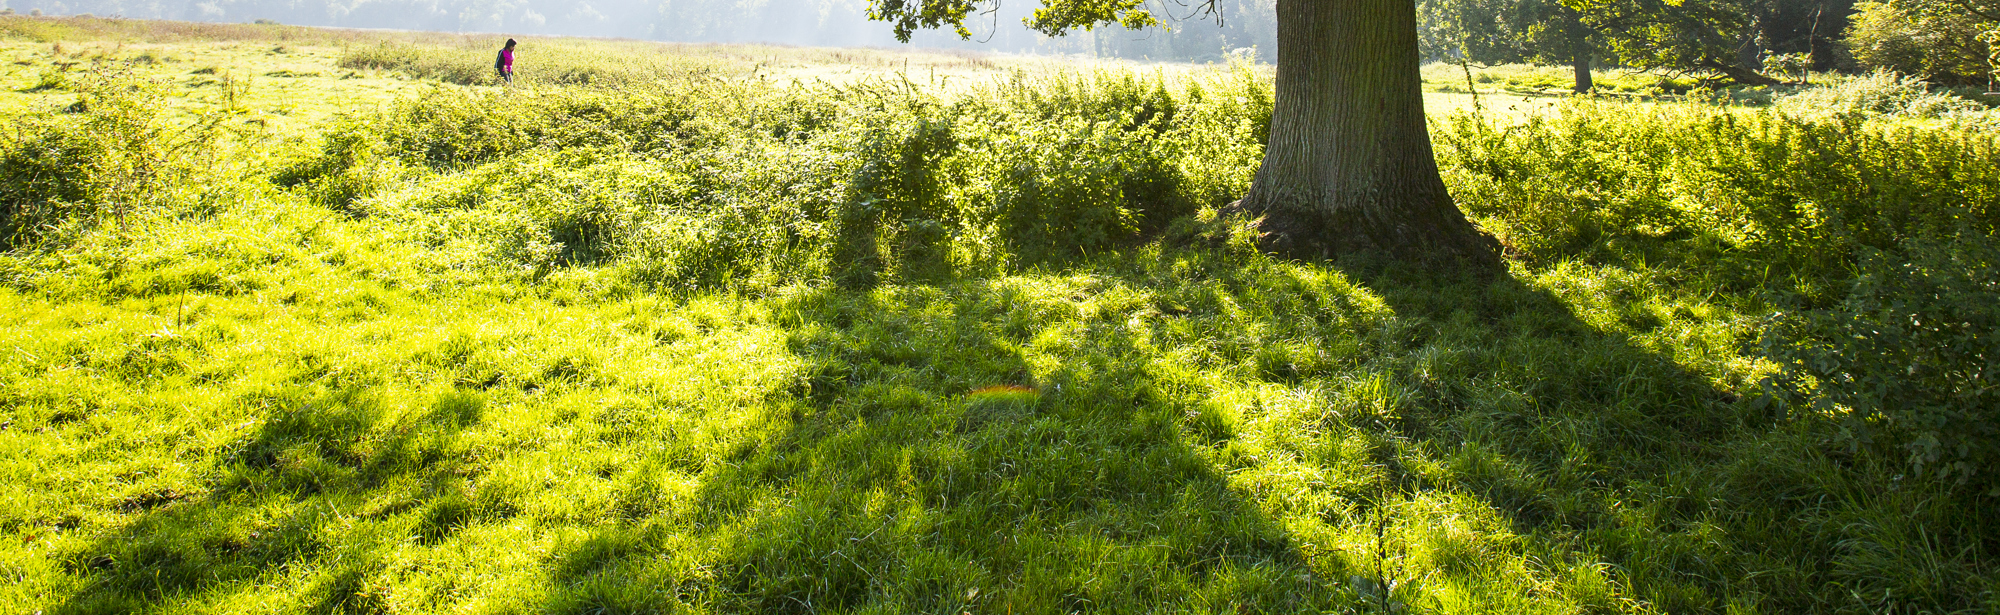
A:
[712,180]
[718,345]
[552,64]
[1815,217]
[110,156]
[1752,191]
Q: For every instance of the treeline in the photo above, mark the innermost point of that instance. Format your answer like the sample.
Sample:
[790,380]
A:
[1742,41]
[1244,25]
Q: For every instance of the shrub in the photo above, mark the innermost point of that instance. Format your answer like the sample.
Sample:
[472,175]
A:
[896,193]
[1744,191]
[1056,188]
[110,154]
[1833,220]
[346,167]
[1938,40]
[695,183]
[544,210]
[449,130]
[1908,360]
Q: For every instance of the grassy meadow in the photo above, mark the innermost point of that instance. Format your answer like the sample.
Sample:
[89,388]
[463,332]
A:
[321,321]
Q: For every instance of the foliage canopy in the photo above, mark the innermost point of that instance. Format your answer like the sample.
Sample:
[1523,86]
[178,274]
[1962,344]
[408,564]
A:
[1944,41]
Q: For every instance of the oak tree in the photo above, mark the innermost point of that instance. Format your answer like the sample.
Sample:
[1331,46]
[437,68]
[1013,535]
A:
[1943,41]
[1707,36]
[1349,166]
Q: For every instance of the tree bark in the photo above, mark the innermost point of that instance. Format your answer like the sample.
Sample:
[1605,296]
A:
[1582,65]
[1349,166]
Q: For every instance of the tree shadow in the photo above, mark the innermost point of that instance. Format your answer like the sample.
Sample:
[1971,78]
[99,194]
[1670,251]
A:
[895,476]
[903,481]
[1652,481]
[317,457]
[894,484]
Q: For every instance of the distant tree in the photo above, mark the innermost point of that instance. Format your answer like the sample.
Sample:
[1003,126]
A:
[1348,166]
[1499,31]
[1244,27]
[1461,30]
[1944,41]
[1711,36]
[1813,28]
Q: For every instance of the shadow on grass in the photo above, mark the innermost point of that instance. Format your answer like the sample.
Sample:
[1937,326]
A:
[1597,474]
[1638,480]
[894,488]
[1592,446]
[322,454]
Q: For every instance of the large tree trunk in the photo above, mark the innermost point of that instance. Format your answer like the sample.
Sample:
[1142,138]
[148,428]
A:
[1582,66]
[1349,166]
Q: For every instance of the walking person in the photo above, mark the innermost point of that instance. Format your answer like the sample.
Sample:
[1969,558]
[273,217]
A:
[505,63]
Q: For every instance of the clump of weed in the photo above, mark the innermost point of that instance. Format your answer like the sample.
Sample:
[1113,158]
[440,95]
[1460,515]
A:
[53,78]
[1590,182]
[111,157]
[752,184]
[342,171]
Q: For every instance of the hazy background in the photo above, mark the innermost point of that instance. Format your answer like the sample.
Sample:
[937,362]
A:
[1246,23]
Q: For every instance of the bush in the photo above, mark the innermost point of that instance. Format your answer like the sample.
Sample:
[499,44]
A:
[693,183]
[110,154]
[1835,221]
[448,130]
[1908,359]
[896,192]
[1938,40]
[345,168]
[1749,193]
[1056,188]
[48,177]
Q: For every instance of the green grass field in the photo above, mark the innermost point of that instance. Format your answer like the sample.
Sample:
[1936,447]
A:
[317,321]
